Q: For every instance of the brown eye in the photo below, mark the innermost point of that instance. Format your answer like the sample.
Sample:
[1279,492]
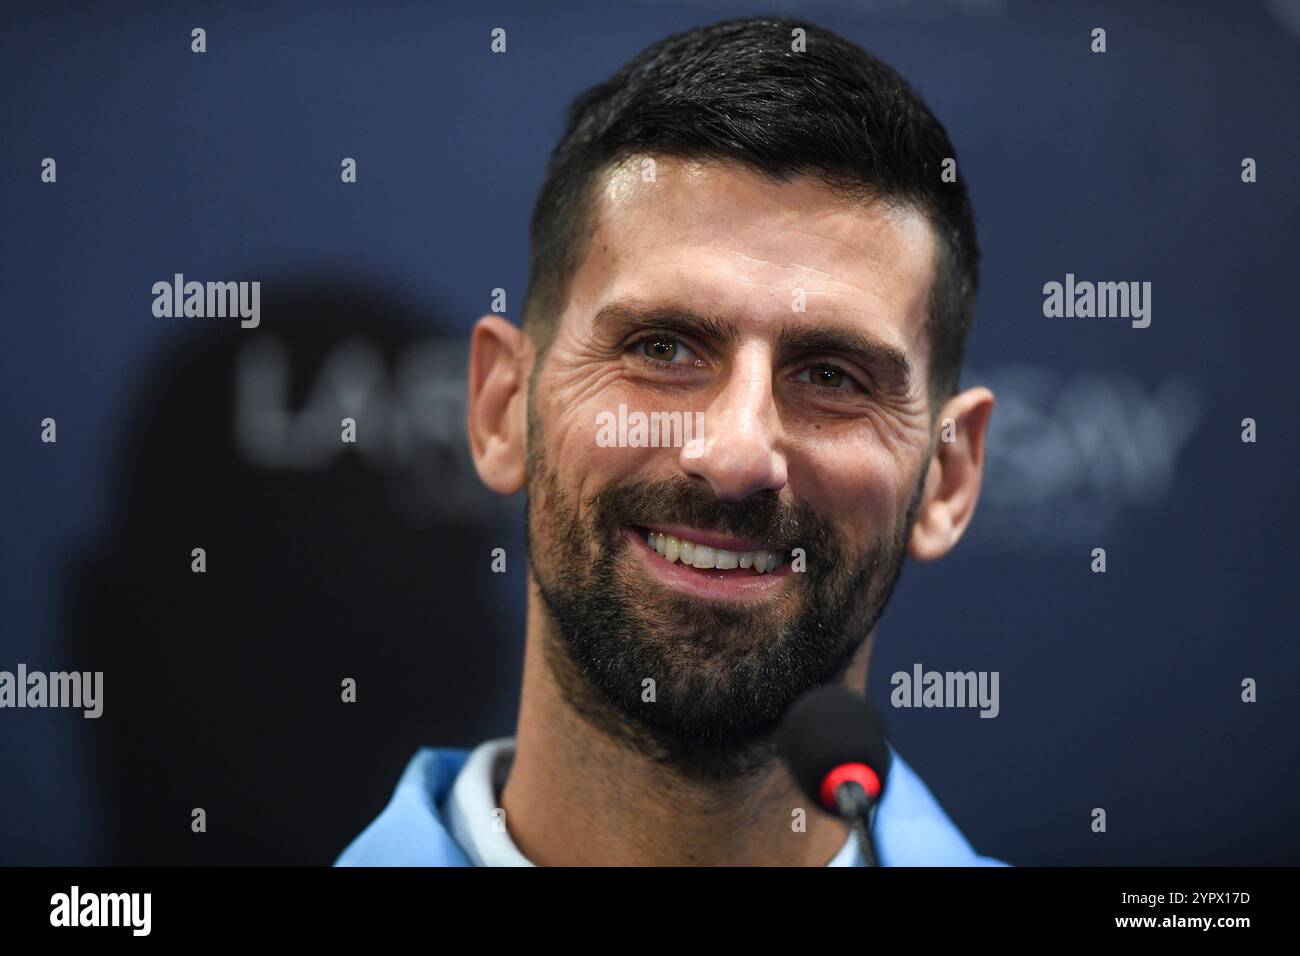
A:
[827,376]
[827,379]
[660,349]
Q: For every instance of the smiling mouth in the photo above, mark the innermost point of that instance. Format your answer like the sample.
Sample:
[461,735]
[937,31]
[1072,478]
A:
[717,561]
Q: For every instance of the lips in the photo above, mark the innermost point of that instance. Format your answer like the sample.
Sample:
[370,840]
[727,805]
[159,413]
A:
[718,555]
[709,538]
[737,585]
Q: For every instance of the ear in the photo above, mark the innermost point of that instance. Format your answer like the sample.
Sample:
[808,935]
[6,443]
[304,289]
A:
[952,481]
[497,419]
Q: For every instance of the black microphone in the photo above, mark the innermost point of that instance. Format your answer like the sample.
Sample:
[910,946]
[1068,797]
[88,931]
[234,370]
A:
[834,744]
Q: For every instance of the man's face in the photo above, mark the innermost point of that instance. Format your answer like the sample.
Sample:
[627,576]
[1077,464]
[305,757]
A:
[793,320]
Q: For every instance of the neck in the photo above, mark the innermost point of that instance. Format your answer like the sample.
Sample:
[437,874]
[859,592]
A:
[579,796]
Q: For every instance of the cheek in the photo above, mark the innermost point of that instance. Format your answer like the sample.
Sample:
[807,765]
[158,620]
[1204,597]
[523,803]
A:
[592,432]
[582,444]
[865,487]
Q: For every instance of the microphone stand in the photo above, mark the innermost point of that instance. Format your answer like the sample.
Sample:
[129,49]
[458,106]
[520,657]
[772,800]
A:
[859,810]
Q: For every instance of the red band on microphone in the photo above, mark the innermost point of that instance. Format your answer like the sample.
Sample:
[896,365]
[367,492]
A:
[843,774]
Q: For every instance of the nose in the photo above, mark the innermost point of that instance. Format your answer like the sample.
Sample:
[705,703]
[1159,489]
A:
[739,453]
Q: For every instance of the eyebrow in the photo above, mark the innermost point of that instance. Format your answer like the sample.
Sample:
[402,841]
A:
[879,358]
[677,318]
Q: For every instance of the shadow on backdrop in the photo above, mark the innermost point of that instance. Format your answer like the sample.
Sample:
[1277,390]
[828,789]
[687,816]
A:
[325,560]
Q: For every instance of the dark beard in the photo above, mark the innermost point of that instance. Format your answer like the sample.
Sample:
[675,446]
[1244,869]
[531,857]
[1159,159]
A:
[724,673]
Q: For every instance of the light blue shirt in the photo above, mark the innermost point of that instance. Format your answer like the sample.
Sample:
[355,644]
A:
[441,815]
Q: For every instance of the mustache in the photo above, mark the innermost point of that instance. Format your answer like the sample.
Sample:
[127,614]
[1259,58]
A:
[762,516]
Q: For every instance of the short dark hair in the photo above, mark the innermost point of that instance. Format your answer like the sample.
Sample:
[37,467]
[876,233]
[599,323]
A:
[738,91]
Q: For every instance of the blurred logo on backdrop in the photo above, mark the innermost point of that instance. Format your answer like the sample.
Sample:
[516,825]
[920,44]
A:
[1071,452]
[409,415]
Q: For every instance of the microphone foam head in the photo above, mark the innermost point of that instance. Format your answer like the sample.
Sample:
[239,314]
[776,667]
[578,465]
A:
[828,727]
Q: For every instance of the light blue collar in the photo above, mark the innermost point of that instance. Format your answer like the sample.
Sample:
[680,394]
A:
[911,829]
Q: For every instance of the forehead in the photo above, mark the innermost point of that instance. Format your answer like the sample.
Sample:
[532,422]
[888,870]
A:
[721,238]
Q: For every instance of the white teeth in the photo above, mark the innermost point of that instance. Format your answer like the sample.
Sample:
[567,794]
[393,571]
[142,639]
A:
[704,557]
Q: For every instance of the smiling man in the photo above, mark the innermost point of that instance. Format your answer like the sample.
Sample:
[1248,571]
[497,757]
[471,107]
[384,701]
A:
[749,225]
